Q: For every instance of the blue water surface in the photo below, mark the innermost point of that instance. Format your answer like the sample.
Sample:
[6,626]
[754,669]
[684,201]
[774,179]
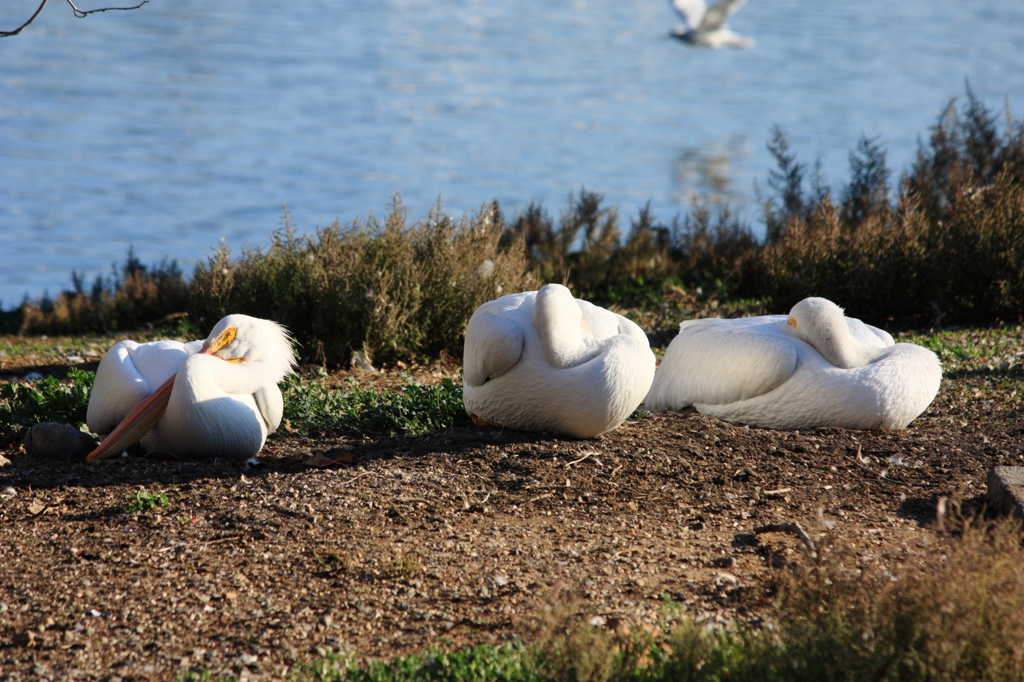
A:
[172,127]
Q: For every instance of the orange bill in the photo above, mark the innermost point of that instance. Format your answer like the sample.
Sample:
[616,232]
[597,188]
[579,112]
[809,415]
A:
[135,425]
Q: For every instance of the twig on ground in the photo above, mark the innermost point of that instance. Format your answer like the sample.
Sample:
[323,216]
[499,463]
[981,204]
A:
[577,461]
[794,529]
[365,473]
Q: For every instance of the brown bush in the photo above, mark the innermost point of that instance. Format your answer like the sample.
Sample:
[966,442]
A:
[130,298]
[390,290]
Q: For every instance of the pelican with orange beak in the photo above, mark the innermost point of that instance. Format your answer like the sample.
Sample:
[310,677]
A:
[216,398]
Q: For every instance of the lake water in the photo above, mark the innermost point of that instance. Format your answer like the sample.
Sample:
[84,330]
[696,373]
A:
[174,126]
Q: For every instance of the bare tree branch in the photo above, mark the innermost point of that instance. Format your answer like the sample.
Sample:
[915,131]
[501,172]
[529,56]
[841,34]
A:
[4,34]
[81,14]
[78,13]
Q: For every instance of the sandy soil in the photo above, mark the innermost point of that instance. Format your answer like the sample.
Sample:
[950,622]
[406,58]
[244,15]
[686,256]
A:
[463,535]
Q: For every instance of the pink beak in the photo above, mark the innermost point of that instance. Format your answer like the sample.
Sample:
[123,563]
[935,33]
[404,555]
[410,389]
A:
[144,417]
[135,425]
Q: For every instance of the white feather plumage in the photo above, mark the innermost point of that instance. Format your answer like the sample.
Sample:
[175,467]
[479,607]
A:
[545,361]
[812,368]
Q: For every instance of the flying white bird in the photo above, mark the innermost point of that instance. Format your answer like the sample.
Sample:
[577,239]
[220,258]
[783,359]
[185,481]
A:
[217,397]
[545,361]
[815,367]
[705,27]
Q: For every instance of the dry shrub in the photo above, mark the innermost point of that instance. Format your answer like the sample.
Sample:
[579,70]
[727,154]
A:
[578,250]
[979,252]
[571,646]
[587,252]
[390,290]
[712,254]
[949,248]
[957,616]
[878,270]
[132,297]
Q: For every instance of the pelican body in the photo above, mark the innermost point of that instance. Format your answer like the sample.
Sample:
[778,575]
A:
[705,27]
[217,397]
[545,361]
[815,367]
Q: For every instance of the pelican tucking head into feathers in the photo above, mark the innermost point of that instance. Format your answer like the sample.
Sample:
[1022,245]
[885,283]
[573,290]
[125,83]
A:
[217,397]
[545,361]
[814,367]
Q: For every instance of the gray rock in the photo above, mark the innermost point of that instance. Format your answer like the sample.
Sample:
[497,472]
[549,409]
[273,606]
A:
[50,440]
[1006,490]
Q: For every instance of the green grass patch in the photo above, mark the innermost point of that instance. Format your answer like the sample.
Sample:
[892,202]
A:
[507,663]
[310,405]
[314,407]
[23,405]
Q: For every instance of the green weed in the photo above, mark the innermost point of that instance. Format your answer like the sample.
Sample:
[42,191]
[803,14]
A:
[413,409]
[506,663]
[47,400]
[142,501]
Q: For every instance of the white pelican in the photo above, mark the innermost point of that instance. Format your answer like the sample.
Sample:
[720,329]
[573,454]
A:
[545,361]
[217,397]
[812,368]
[705,27]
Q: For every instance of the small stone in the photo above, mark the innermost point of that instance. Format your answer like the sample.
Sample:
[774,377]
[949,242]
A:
[50,440]
[1006,490]
[725,578]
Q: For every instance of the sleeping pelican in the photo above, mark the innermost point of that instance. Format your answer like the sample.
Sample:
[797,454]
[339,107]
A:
[705,27]
[815,367]
[545,361]
[217,397]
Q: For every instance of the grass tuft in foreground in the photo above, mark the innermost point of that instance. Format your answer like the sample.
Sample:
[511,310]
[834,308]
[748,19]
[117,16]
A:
[960,616]
[507,663]
[142,501]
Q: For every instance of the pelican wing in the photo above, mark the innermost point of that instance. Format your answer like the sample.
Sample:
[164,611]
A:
[716,362]
[866,334]
[271,406]
[127,374]
[692,12]
[493,346]
[719,13]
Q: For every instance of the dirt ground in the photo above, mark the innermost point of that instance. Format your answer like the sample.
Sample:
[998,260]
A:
[463,535]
